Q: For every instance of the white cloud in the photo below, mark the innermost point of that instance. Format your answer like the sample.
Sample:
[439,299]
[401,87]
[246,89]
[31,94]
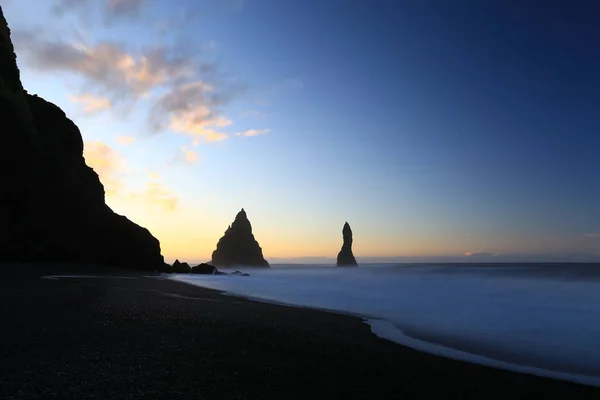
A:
[191,110]
[126,140]
[253,132]
[107,65]
[111,167]
[108,164]
[480,254]
[198,123]
[190,156]
[91,104]
[154,196]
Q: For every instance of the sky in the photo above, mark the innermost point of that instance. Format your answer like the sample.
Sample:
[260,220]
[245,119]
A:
[449,131]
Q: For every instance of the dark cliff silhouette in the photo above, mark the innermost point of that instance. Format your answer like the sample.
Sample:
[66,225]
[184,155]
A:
[345,257]
[238,246]
[52,205]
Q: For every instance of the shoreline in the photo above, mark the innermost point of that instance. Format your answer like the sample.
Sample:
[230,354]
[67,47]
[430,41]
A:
[386,330]
[118,338]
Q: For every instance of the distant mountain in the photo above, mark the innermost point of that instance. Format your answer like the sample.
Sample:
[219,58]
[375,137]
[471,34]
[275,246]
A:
[238,245]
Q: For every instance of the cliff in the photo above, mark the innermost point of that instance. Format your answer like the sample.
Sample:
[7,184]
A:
[345,257]
[52,206]
[238,246]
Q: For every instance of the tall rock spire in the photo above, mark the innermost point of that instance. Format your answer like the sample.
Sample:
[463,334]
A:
[345,256]
[238,246]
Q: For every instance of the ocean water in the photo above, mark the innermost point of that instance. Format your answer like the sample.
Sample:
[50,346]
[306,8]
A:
[533,318]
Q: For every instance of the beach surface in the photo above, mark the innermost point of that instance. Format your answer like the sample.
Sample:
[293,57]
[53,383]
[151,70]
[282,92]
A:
[122,334]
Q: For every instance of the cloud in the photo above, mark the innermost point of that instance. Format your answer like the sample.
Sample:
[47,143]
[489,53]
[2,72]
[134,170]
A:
[126,140]
[190,156]
[253,132]
[592,235]
[91,104]
[111,167]
[480,254]
[181,16]
[154,196]
[187,104]
[198,123]
[176,22]
[124,7]
[153,175]
[107,65]
[184,93]
[107,163]
[111,9]
[62,6]
[191,109]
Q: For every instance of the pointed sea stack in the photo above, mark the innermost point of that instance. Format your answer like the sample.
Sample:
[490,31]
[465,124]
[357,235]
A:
[52,206]
[345,257]
[238,246]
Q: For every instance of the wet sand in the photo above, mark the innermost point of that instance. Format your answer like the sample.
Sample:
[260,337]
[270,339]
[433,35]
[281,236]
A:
[124,335]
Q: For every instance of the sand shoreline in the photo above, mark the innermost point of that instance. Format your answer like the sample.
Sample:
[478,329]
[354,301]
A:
[118,338]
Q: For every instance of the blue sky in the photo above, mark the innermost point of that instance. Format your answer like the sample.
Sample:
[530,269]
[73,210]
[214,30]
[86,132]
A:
[437,129]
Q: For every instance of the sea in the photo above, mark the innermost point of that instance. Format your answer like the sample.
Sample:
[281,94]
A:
[540,319]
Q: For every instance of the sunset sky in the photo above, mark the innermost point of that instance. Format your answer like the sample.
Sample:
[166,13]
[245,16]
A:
[446,130]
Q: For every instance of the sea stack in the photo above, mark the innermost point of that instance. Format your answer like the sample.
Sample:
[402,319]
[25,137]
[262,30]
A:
[52,206]
[238,246]
[345,257]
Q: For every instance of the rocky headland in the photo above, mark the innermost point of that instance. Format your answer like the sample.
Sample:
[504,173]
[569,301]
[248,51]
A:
[52,206]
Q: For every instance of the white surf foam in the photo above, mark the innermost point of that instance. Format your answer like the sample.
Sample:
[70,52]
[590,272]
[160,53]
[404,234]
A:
[542,326]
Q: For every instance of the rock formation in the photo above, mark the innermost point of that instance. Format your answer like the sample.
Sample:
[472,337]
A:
[345,256]
[238,246]
[179,267]
[52,205]
[205,269]
[238,273]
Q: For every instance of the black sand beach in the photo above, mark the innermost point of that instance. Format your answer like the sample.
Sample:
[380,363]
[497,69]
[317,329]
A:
[116,338]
